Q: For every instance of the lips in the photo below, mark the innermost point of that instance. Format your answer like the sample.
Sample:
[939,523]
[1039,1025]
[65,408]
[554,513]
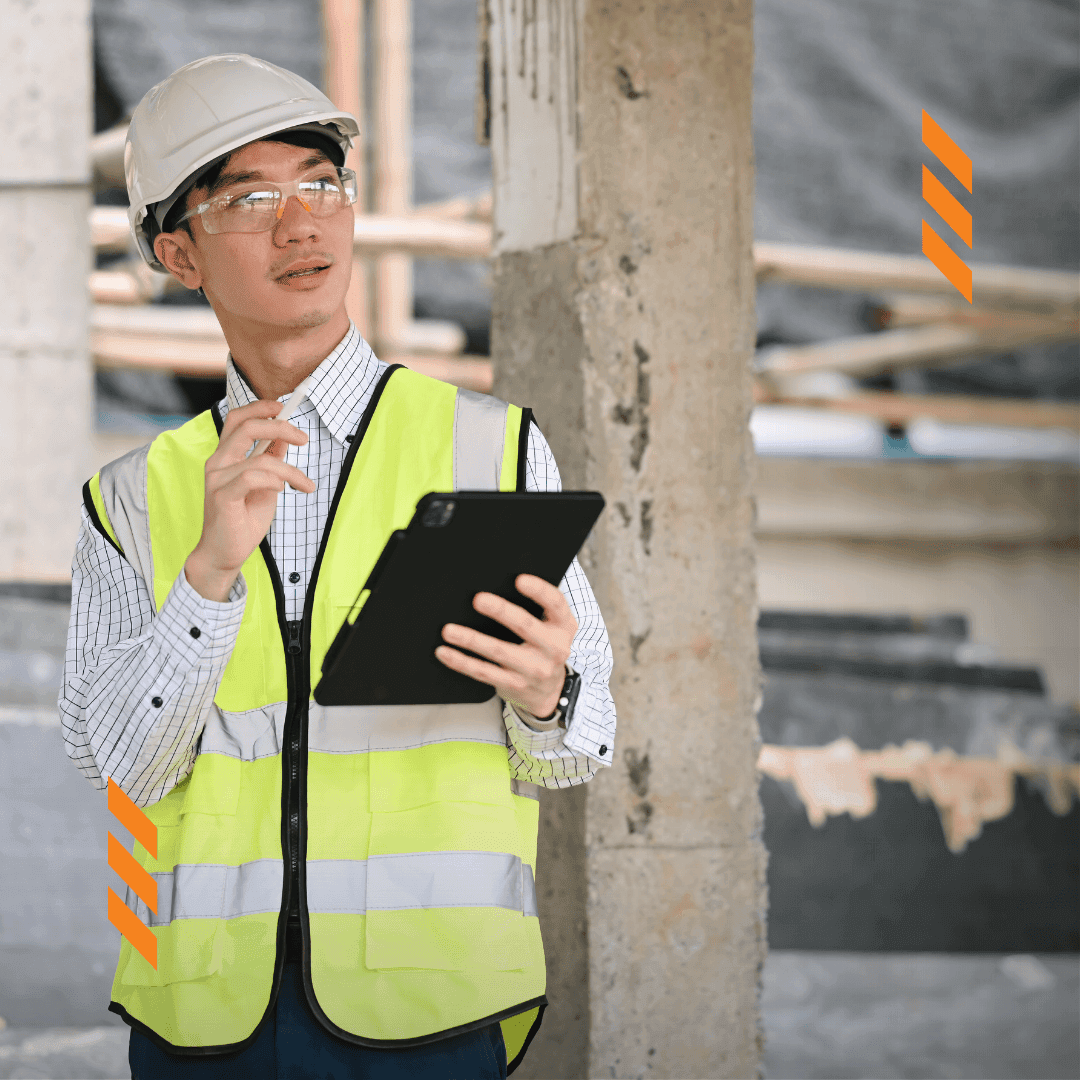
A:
[305,269]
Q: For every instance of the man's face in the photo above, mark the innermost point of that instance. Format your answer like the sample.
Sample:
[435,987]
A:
[256,278]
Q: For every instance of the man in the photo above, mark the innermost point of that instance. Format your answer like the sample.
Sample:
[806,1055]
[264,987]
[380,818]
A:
[341,892]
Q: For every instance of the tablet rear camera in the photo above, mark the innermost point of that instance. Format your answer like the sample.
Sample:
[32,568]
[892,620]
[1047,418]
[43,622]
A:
[438,514]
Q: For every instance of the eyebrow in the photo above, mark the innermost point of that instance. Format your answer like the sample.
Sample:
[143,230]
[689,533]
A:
[226,179]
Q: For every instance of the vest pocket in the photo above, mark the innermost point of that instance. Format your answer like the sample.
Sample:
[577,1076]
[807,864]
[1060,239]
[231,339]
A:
[188,949]
[448,939]
[448,910]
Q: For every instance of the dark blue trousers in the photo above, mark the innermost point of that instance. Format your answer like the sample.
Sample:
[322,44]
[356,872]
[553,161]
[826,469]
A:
[292,1045]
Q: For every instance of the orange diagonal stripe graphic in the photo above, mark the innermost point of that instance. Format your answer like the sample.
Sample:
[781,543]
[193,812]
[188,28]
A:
[947,205]
[946,260]
[948,153]
[138,933]
[124,863]
[132,818]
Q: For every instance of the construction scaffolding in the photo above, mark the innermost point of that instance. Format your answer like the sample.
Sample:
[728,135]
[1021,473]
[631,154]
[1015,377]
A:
[921,319]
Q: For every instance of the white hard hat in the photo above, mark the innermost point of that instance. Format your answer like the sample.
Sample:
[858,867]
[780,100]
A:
[201,112]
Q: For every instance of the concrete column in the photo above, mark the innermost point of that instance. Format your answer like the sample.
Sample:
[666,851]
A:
[45,375]
[624,315]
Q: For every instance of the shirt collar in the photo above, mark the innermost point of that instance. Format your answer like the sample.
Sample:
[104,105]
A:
[341,386]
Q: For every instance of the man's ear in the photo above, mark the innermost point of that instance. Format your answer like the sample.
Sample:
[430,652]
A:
[172,250]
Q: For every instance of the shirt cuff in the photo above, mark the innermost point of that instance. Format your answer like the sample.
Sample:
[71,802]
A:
[198,632]
[528,722]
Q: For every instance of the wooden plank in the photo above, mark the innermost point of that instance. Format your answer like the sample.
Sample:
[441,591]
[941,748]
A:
[422,237]
[1046,291]
[904,309]
[947,408]
[921,346]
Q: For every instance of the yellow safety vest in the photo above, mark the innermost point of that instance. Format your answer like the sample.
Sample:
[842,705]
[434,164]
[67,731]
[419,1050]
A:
[414,848]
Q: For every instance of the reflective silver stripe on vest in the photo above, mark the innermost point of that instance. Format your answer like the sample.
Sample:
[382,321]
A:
[255,733]
[479,441]
[211,891]
[525,789]
[352,729]
[430,879]
[123,491]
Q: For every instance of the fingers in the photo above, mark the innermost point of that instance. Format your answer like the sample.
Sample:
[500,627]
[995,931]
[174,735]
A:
[558,616]
[282,473]
[531,663]
[549,597]
[236,445]
[512,616]
[507,682]
[258,409]
[250,482]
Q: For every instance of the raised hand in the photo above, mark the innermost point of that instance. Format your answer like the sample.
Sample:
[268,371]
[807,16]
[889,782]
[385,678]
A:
[241,495]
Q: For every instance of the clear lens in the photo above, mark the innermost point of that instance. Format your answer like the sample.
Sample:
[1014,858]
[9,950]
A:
[258,207]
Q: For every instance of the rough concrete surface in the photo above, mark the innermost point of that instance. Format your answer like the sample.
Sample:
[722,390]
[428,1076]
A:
[632,341]
[45,374]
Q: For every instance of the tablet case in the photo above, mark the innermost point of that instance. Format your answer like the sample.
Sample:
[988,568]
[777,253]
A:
[457,544]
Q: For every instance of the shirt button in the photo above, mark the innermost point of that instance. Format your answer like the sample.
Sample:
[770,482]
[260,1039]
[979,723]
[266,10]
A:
[156,702]
[603,751]
[195,632]
[348,438]
[294,577]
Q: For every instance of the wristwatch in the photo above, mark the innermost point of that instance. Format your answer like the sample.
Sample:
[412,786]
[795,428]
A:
[567,699]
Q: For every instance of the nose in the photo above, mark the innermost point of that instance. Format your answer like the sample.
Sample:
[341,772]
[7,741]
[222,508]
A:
[281,209]
[295,221]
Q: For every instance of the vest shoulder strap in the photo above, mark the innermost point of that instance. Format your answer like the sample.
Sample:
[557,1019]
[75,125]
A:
[486,442]
[118,496]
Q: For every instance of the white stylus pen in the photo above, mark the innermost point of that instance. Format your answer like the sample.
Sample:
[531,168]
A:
[288,411]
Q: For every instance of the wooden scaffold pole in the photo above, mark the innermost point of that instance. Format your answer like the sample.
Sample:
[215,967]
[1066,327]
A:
[343,28]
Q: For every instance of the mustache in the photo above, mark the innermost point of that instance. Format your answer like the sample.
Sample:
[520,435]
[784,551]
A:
[282,265]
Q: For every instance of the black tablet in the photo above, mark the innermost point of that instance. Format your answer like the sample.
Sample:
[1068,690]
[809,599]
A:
[427,576]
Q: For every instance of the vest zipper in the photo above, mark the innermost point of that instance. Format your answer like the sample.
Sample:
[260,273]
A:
[296,636]
[294,655]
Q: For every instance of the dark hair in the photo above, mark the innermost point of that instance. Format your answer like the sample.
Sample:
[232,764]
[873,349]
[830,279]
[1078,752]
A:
[309,140]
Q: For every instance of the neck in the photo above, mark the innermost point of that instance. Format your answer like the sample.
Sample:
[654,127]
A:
[276,359]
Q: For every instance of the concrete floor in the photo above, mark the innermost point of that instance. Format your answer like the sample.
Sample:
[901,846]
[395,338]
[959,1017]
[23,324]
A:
[865,1016]
[921,1015]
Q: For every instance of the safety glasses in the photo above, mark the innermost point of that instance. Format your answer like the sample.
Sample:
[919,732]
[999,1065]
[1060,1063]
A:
[259,205]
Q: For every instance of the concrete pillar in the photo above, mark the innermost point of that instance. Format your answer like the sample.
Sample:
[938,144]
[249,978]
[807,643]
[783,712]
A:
[624,315]
[45,375]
